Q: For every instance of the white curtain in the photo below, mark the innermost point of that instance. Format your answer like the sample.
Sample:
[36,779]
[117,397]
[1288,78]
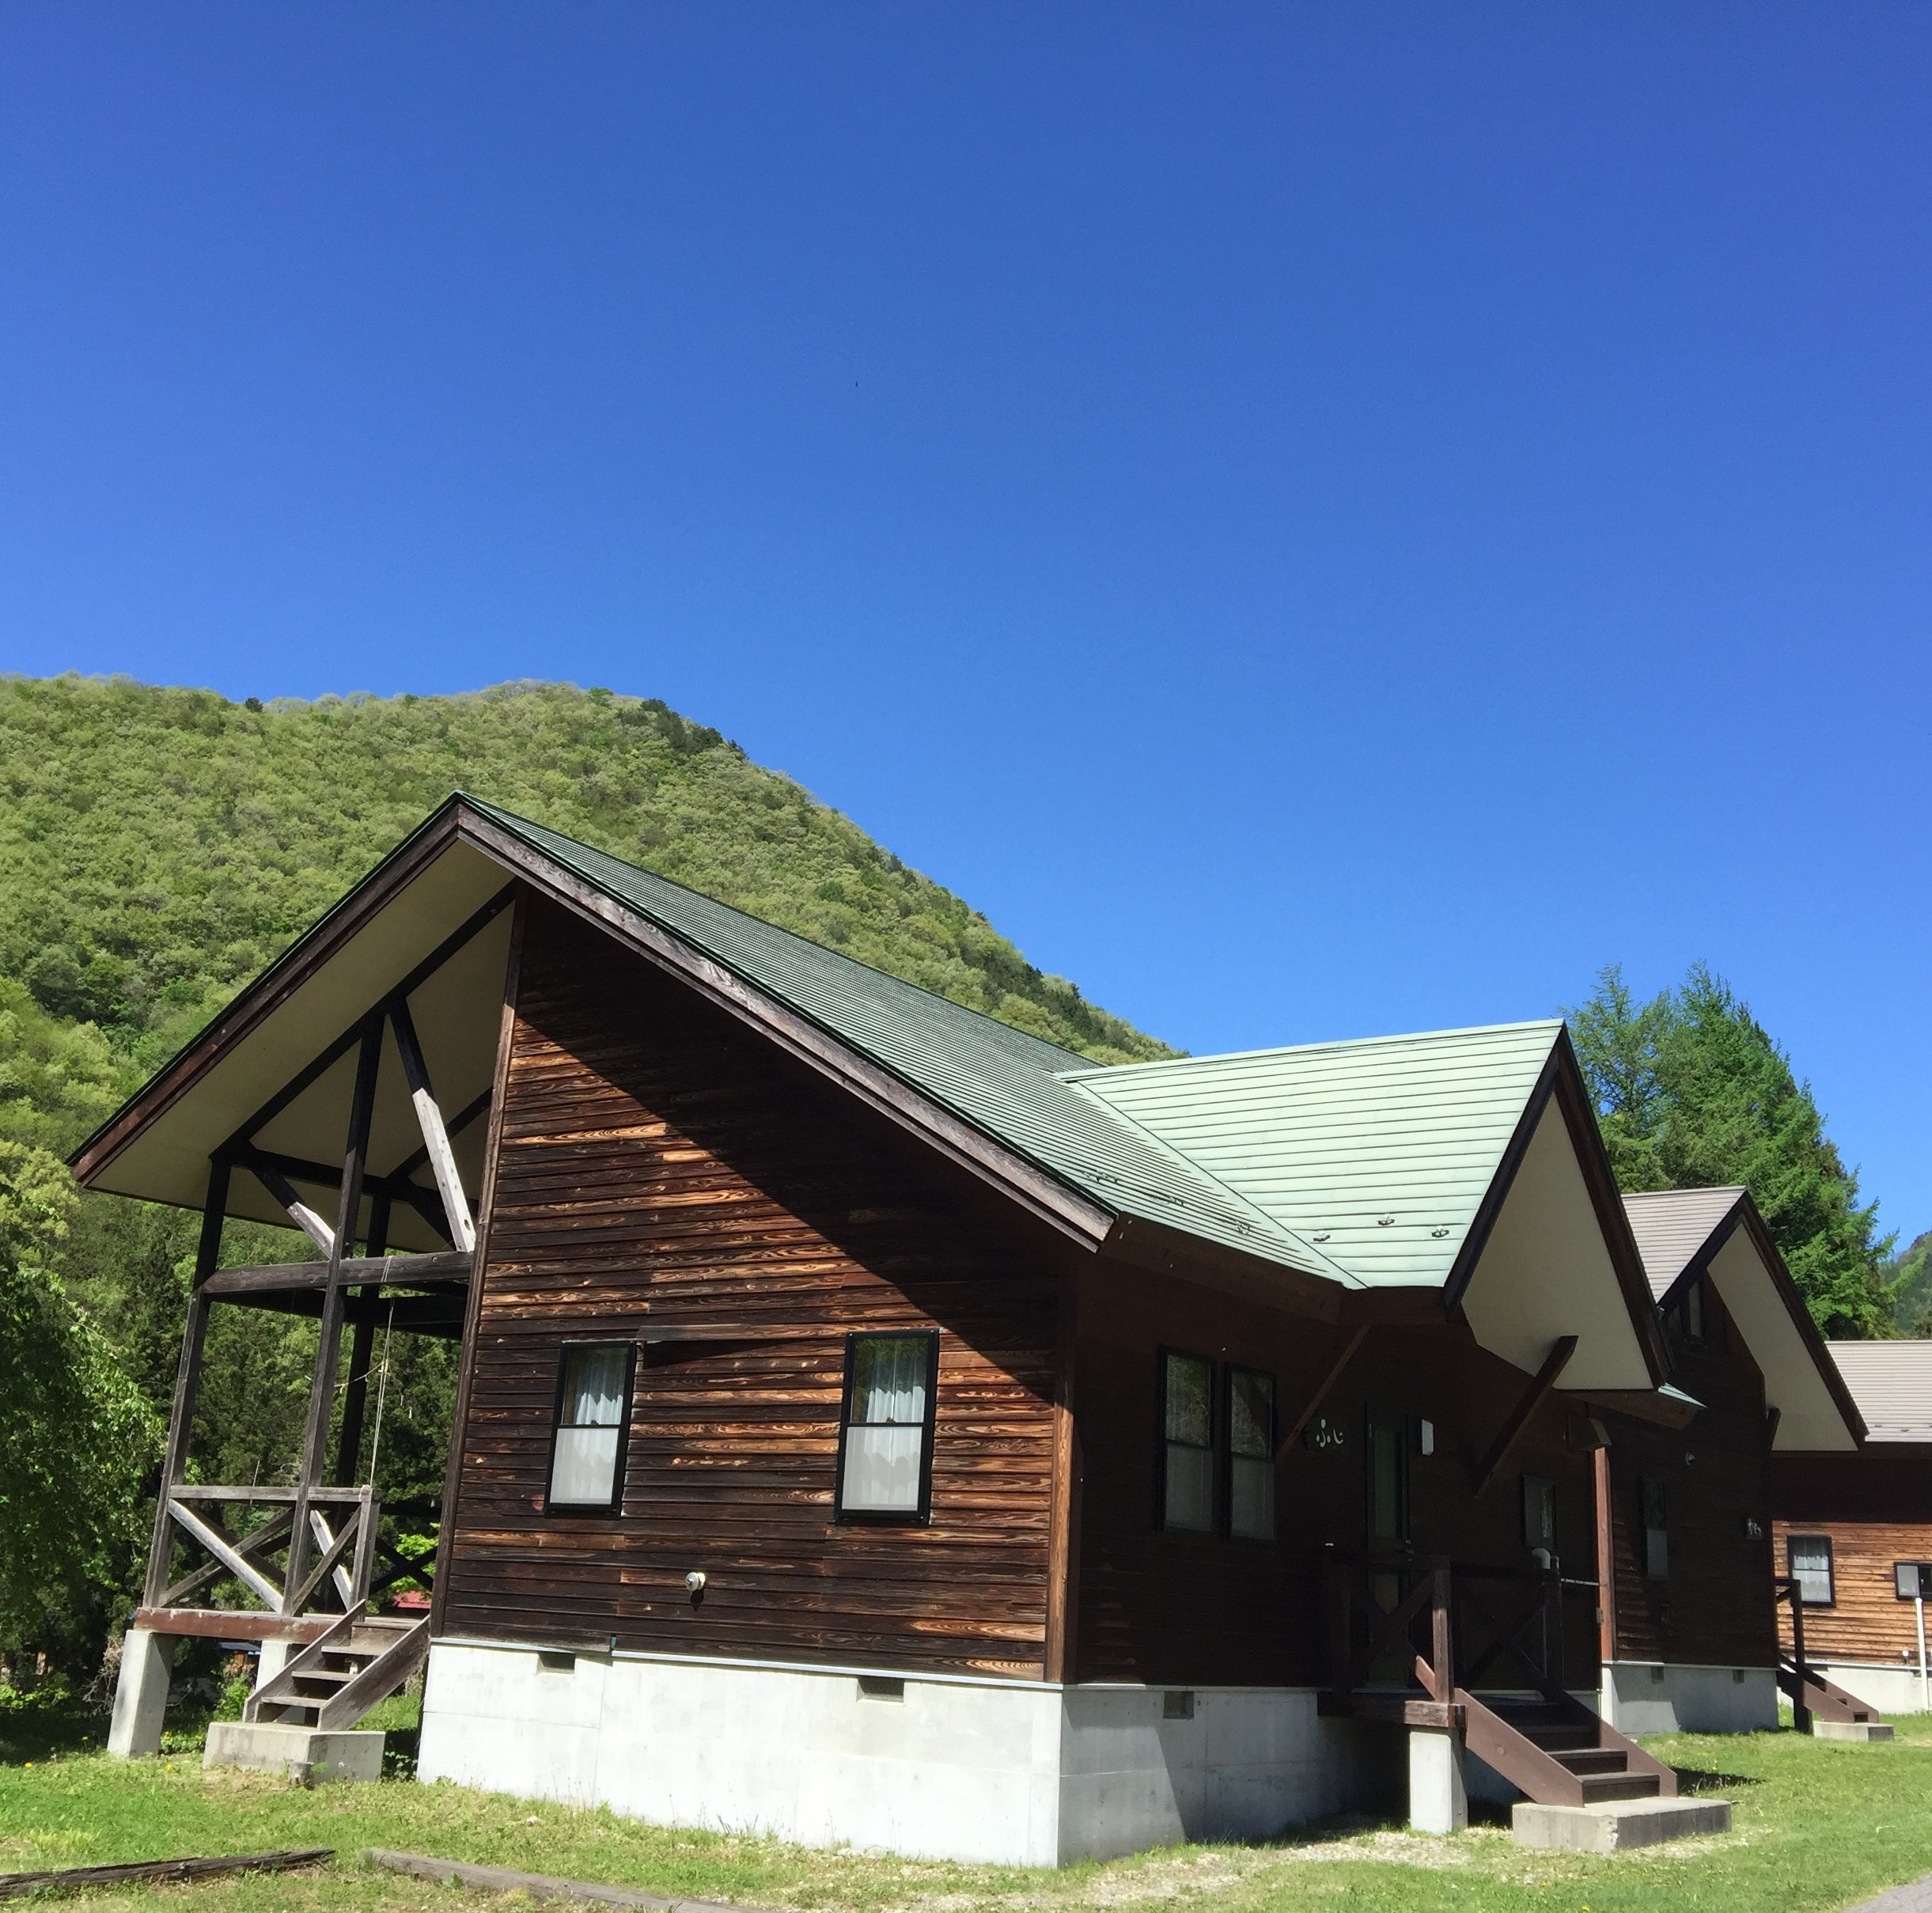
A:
[890,1382]
[583,1472]
[882,1469]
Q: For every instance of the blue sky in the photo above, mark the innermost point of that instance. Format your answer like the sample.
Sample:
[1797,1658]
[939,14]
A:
[1319,519]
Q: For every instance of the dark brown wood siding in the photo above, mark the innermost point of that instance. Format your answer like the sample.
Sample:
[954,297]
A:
[1173,1608]
[1876,1507]
[662,1168]
[1713,1607]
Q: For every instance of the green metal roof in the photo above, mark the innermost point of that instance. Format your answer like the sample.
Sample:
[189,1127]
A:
[1008,1086]
[1378,1152]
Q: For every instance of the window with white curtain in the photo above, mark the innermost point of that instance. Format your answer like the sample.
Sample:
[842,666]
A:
[1810,1559]
[1251,1455]
[1188,1443]
[593,1401]
[885,1452]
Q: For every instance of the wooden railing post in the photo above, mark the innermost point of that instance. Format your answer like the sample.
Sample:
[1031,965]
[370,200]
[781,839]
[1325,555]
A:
[1442,1635]
[1341,1643]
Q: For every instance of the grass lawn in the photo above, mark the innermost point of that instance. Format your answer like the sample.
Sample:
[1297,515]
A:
[1818,1824]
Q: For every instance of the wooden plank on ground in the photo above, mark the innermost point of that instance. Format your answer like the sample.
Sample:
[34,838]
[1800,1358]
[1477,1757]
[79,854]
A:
[539,1886]
[72,1879]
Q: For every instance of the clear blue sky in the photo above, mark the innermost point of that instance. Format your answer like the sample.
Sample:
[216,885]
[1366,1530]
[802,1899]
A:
[1320,519]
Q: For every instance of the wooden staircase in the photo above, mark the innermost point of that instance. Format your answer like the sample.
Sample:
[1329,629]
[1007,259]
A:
[1810,1694]
[1538,1735]
[1560,1752]
[335,1680]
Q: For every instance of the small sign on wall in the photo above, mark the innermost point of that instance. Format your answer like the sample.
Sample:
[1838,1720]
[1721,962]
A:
[1323,1432]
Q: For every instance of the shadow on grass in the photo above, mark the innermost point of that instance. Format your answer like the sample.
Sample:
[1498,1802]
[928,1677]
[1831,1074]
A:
[1708,1780]
[40,1726]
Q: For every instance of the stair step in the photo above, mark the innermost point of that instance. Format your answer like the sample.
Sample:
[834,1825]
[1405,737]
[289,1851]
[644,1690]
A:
[1619,1786]
[1592,1760]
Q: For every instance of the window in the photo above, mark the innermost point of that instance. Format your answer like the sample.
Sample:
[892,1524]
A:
[1912,1580]
[1652,1516]
[1188,1443]
[1540,1513]
[1388,1463]
[587,1454]
[1694,1310]
[1809,1559]
[1251,1455]
[885,1443]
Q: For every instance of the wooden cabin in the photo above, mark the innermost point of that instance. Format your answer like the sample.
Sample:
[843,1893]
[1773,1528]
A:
[878,1425]
[1685,1513]
[1853,1532]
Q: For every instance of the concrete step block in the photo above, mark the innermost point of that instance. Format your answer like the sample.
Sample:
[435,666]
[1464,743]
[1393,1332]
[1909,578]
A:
[302,1753]
[1615,1826]
[1851,1730]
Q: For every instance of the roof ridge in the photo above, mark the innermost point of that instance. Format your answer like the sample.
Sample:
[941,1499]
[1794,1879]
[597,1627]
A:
[1291,1049]
[520,823]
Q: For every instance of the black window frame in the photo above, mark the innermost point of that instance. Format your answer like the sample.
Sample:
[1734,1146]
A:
[1831,1571]
[1229,1370]
[1538,1490]
[591,1510]
[1646,1485]
[1163,1441]
[1403,1428]
[1898,1593]
[888,1517]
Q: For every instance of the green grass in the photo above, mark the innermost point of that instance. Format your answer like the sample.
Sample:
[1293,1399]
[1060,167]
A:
[1818,1825]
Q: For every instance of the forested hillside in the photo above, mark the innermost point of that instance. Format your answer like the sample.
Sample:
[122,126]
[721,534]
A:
[157,848]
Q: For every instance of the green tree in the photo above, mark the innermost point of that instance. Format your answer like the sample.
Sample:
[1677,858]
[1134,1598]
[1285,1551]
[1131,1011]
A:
[79,1438]
[1693,1092]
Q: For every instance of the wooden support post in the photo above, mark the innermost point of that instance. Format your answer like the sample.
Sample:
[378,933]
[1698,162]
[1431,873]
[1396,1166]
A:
[1800,1714]
[1519,1418]
[328,1348]
[362,1349]
[1606,1557]
[187,1378]
[435,1137]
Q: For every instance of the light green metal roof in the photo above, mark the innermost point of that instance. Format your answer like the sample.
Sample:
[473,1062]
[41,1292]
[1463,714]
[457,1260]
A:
[1379,1152]
[1008,1086]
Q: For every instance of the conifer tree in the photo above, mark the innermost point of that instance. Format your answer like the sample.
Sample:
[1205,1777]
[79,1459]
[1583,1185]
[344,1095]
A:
[1692,1092]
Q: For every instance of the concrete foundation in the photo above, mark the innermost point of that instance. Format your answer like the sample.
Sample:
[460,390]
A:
[1438,1791]
[1615,1826]
[1641,1697]
[301,1753]
[141,1693]
[1891,1687]
[1006,1771]
[1850,1730]
[275,1656]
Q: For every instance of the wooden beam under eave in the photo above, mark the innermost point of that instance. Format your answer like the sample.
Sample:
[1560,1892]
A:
[429,1119]
[1533,1399]
[300,1214]
[1330,1376]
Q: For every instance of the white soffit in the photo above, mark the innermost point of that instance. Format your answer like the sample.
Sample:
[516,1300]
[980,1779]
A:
[1546,1271]
[1808,1417]
[457,1013]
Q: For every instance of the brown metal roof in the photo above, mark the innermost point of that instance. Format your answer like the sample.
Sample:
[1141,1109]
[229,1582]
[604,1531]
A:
[1672,1225]
[1892,1383]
